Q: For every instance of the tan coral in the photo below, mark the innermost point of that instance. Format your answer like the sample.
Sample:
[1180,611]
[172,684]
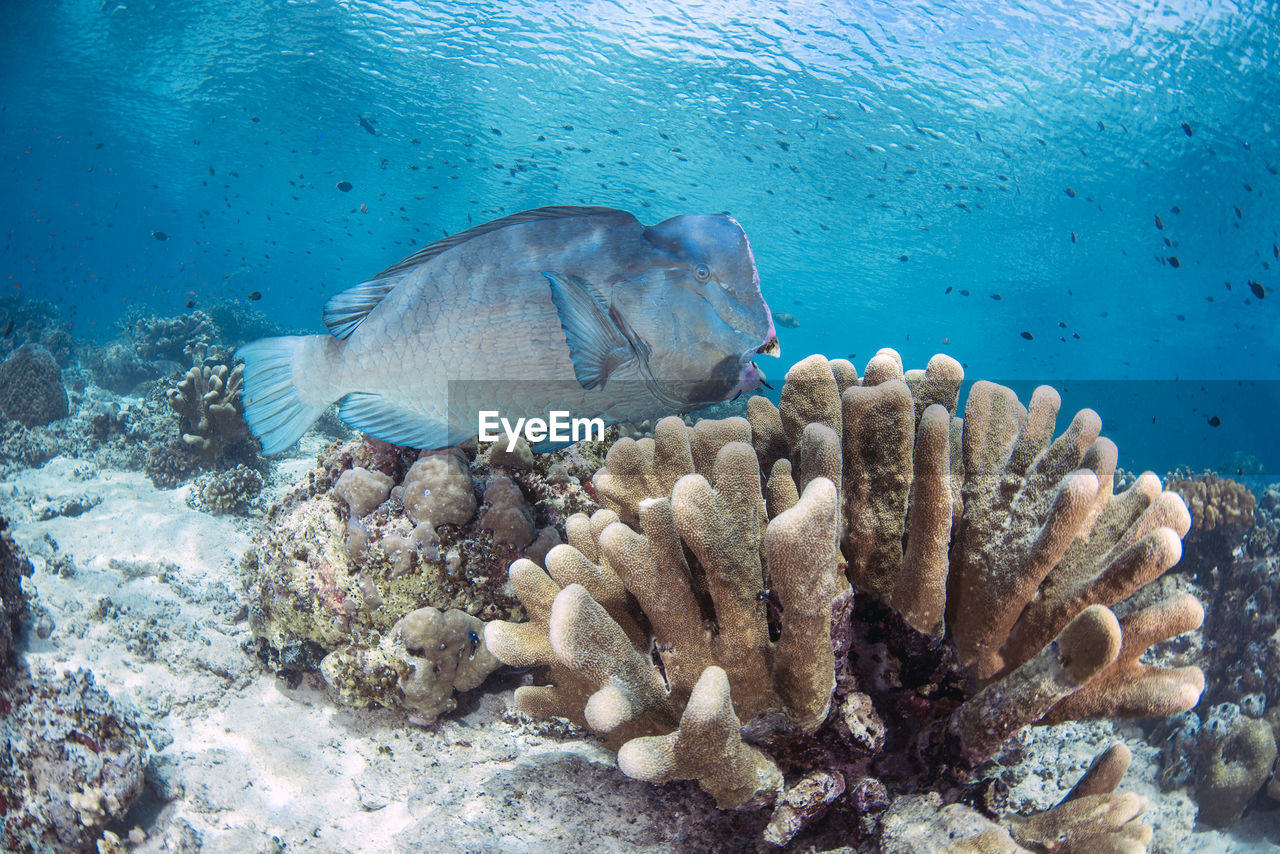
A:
[920,589]
[1086,647]
[707,747]
[877,480]
[989,527]
[647,468]
[1034,535]
[1216,503]
[1010,539]
[810,395]
[722,525]
[1092,824]
[713,682]
[208,399]
[1092,819]
[1104,773]
[1131,689]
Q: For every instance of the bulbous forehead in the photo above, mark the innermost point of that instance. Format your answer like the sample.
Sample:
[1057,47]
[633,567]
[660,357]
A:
[712,239]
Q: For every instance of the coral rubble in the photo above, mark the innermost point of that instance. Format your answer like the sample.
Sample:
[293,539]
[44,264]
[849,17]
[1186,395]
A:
[72,760]
[701,623]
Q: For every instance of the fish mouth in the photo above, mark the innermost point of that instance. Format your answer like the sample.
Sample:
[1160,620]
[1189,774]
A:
[749,379]
[770,347]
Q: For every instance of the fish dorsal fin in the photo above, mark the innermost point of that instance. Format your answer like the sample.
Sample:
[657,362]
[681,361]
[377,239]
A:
[534,215]
[344,312]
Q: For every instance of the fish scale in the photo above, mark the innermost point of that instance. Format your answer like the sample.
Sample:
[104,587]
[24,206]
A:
[580,309]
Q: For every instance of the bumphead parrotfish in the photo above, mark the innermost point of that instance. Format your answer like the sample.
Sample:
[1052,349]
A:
[579,309]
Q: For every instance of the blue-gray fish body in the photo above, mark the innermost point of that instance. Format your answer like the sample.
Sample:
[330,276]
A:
[577,309]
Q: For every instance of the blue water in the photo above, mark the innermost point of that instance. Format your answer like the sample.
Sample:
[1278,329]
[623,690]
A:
[843,136]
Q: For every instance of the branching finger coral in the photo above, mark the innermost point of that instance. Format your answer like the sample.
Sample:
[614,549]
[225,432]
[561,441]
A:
[208,400]
[720,576]
[1092,819]
[677,721]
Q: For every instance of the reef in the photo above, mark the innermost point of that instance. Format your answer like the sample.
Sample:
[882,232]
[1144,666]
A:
[73,761]
[211,437]
[100,428]
[374,535]
[59,397]
[14,566]
[117,367]
[853,592]
[1224,750]
[168,338]
[34,321]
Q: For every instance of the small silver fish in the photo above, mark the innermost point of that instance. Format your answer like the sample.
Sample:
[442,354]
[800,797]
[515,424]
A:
[582,309]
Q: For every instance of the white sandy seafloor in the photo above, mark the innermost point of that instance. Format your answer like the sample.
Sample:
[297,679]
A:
[151,602]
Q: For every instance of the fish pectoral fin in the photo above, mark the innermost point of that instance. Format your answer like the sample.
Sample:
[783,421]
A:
[597,346]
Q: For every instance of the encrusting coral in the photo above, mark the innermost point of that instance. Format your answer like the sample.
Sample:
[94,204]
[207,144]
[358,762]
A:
[701,622]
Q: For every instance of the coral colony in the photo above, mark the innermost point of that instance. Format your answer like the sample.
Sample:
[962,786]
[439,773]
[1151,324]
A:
[1014,540]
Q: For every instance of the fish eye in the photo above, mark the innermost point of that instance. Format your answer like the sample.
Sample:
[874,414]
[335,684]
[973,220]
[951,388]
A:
[701,273]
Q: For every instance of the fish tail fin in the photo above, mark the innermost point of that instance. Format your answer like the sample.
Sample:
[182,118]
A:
[281,399]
